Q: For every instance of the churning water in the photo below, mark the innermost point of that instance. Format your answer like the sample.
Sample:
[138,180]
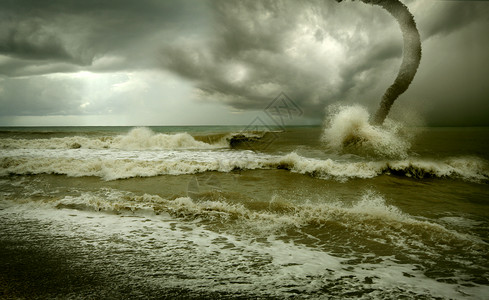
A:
[350,210]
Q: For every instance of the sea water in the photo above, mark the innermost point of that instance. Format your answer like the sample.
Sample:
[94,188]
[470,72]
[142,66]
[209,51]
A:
[347,210]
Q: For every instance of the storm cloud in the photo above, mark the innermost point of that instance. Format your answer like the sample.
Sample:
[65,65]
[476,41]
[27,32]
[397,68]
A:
[81,32]
[241,54]
[314,52]
[318,53]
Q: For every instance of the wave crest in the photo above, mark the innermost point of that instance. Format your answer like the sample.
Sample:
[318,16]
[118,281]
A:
[141,138]
[369,215]
[191,162]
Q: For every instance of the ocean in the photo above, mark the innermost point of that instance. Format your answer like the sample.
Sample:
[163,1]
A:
[224,212]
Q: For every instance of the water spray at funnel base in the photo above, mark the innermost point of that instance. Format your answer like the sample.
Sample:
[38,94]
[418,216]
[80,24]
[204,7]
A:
[348,129]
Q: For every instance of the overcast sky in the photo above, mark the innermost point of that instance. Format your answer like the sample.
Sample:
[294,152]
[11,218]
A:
[153,62]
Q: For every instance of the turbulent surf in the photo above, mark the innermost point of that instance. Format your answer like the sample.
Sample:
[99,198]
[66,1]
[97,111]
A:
[344,210]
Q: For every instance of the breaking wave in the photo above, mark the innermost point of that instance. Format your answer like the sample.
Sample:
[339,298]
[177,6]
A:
[141,138]
[110,168]
[369,214]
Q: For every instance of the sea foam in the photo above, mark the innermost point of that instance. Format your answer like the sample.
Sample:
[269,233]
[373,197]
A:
[239,265]
[249,245]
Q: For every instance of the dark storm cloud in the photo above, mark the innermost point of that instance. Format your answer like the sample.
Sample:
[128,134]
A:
[256,39]
[39,38]
[450,16]
[240,53]
[312,51]
[79,32]
[451,86]
[31,40]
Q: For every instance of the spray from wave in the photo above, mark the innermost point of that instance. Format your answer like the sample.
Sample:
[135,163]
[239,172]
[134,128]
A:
[348,130]
[411,57]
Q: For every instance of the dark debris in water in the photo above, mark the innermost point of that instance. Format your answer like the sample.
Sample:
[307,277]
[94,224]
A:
[239,139]
[75,146]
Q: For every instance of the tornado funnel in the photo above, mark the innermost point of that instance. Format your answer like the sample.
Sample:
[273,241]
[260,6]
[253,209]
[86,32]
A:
[411,55]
